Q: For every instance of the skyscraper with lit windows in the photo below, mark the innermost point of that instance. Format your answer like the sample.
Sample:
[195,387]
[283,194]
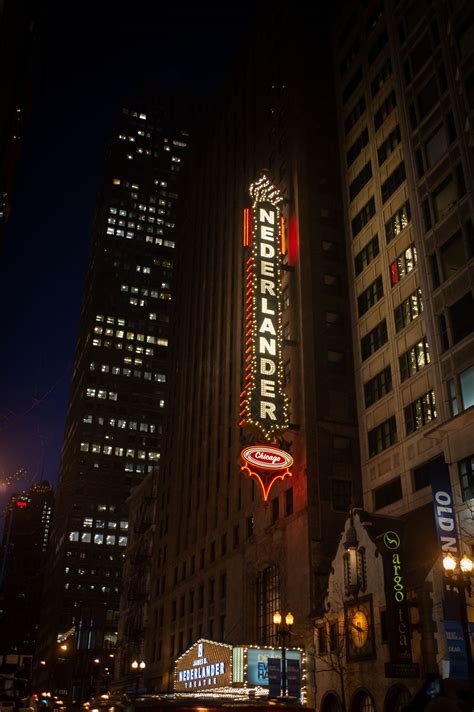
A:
[118,396]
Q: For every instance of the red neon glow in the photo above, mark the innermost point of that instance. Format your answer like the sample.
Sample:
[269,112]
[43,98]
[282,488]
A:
[247,227]
[21,504]
[394,273]
[293,240]
[266,482]
[266,457]
[282,235]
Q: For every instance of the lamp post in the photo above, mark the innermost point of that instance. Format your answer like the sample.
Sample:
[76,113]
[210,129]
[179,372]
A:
[137,667]
[458,573]
[284,633]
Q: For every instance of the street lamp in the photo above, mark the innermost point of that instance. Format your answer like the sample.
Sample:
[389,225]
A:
[284,633]
[458,573]
[138,668]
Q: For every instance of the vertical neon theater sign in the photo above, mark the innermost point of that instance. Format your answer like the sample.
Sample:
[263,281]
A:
[264,404]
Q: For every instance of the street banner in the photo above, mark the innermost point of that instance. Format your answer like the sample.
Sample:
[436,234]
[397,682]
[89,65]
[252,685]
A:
[274,677]
[293,678]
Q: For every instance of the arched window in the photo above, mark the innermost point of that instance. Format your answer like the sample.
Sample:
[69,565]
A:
[363,702]
[330,703]
[396,698]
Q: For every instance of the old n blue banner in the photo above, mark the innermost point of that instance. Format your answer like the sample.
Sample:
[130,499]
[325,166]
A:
[293,676]
[274,677]
[443,504]
[448,539]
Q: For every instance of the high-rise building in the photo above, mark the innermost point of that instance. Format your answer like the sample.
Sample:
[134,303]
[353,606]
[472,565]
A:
[404,78]
[404,90]
[23,556]
[231,546]
[118,396]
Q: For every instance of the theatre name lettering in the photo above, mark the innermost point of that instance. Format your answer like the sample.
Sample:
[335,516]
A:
[205,665]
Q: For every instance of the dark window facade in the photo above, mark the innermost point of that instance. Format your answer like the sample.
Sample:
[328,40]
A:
[376,338]
[414,359]
[385,110]
[359,144]
[370,296]
[363,217]
[361,179]
[466,478]
[394,181]
[421,412]
[409,309]
[389,145]
[354,115]
[398,222]
[352,85]
[460,314]
[378,386]
[268,601]
[383,436]
[388,494]
[366,255]
[381,77]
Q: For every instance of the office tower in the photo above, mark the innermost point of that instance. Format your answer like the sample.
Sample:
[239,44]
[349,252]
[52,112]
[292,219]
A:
[25,541]
[226,553]
[404,77]
[19,56]
[118,396]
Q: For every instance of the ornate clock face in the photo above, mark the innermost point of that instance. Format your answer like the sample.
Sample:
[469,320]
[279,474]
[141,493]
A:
[360,639]
[359,628]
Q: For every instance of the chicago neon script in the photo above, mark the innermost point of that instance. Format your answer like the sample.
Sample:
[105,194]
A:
[268,458]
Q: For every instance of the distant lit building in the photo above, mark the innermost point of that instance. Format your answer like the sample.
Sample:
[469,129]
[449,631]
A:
[118,400]
[22,561]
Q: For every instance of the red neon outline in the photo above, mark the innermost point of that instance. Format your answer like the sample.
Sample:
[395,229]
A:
[282,235]
[266,490]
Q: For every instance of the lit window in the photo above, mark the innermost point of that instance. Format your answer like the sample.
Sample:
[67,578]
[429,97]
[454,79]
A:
[141,454]
[113,396]
[123,524]
[132,425]
[119,451]
[98,538]
[90,392]
[153,455]
[73,536]
[87,419]
[96,342]
[96,448]
[116,181]
[102,394]
[152,317]
[107,450]
[162,342]
[86,538]
[122,540]
[130,452]
[104,368]
[128,467]
[87,522]
[85,447]
[110,539]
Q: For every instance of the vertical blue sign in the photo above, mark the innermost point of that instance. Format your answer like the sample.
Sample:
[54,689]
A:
[293,676]
[274,677]
[443,503]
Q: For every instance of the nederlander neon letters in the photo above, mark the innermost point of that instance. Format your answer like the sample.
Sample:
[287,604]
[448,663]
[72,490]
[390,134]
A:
[265,401]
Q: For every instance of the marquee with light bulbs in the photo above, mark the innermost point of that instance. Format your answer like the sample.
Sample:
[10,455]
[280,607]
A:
[264,404]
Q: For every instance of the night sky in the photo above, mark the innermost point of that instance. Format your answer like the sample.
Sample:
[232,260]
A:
[91,64]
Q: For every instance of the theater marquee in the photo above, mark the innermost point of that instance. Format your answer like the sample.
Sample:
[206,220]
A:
[264,404]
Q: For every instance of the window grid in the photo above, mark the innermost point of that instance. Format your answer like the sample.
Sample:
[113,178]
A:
[268,601]
[421,412]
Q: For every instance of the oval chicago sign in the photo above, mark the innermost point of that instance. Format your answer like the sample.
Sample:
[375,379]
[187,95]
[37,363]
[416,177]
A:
[266,457]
